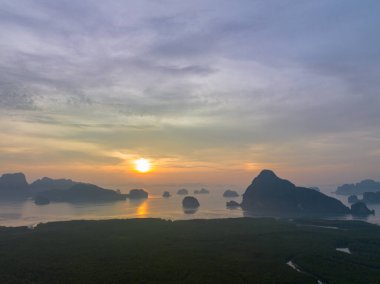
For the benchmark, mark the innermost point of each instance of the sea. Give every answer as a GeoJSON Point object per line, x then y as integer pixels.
{"type": "Point", "coordinates": [212, 206]}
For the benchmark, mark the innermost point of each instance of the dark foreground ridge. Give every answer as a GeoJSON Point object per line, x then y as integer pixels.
{"type": "Point", "coordinates": [240, 250]}
{"type": "Point", "coordinates": [271, 195]}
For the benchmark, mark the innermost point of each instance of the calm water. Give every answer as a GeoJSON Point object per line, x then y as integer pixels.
{"type": "Point", "coordinates": [213, 205]}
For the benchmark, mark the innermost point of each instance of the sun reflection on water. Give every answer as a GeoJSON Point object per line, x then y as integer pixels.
{"type": "Point", "coordinates": [142, 209]}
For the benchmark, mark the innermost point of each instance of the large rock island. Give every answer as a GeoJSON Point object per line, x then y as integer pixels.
{"type": "Point", "coordinates": [46, 183]}
{"type": "Point", "coordinates": [271, 195]}
{"type": "Point", "coordinates": [82, 192]}
{"type": "Point", "coordinates": [13, 186]}
{"type": "Point", "coordinates": [46, 190]}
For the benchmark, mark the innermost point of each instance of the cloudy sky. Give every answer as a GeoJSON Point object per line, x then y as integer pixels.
{"type": "Point", "coordinates": [210, 91]}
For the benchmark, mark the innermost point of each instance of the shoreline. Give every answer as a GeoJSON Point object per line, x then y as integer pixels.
{"type": "Point", "coordinates": [311, 222]}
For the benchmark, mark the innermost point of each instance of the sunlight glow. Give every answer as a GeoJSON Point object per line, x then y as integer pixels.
{"type": "Point", "coordinates": [142, 165]}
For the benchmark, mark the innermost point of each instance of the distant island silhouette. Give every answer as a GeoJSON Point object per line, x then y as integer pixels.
{"type": "Point", "coordinates": [190, 205]}
{"type": "Point", "coordinates": [230, 193]}
{"type": "Point", "coordinates": [232, 204]}
{"type": "Point", "coordinates": [166, 194]}
{"type": "Point", "coordinates": [267, 195]}
{"type": "Point", "coordinates": [361, 209]}
{"type": "Point", "coordinates": [190, 202]}
{"type": "Point", "coordinates": [137, 194]}
{"type": "Point", "coordinates": [271, 195]}
{"type": "Point", "coordinates": [183, 191]}
{"type": "Point", "coordinates": [202, 191]}
{"type": "Point", "coordinates": [82, 192]}
{"type": "Point", "coordinates": [46, 183]}
{"type": "Point", "coordinates": [368, 197]}
{"type": "Point", "coordinates": [46, 190]}
{"type": "Point", "coordinates": [367, 185]}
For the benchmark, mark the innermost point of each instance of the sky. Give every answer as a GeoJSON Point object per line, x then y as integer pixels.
{"type": "Point", "coordinates": [211, 92]}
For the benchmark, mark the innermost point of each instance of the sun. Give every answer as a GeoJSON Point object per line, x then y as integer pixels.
{"type": "Point", "coordinates": [142, 165]}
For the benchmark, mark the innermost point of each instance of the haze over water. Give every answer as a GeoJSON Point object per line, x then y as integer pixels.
{"type": "Point", "coordinates": [213, 205]}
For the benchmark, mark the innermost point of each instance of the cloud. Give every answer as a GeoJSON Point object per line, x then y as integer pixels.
{"type": "Point", "coordinates": [12, 97]}
{"type": "Point", "coordinates": [194, 79]}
